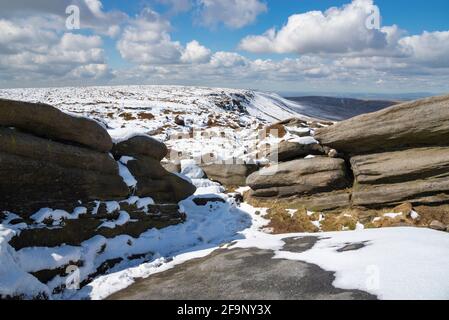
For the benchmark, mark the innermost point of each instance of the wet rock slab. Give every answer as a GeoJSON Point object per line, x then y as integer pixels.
{"type": "Point", "coordinates": [243, 274]}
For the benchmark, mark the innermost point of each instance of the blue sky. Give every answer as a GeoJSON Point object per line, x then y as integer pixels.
{"type": "Point", "coordinates": [284, 46]}
{"type": "Point", "coordinates": [414, 16]}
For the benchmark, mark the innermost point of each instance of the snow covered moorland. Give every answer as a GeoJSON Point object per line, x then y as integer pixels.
{"type": "Point", "coordinates": [191, 120]}
{"type": "Point", "coordinates": [225, 124]}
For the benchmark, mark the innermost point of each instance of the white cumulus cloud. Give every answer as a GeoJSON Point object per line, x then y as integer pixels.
{"type": "Point", "coordinates": [195, 53]}
{"type": "Point", "coordinates": [36, 51]}
{"type": "Point", "coordinates": [337, 30]}
{"type": "Point", "coordinates": [224, 59]}
{"type": "Point", "coordinates": [146, 40]}
{"type": "Point", "coordinates": [92, 14]}
{"type": "Point", "coordinates": [429, 48]}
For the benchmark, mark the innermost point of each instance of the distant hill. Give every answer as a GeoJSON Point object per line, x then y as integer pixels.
{"type": "Point", "coordinates": [337, 109]}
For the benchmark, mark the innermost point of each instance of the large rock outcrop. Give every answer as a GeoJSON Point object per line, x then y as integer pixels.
{"type": "Point", "coordinates": [399, 154]}
{"type": "Point", "coordinates": [60, 185]}
{"type": "Point", "coordinates": [46, 121]}
{"type": "Point", "coordinates": [418, 175]}
{"type": "Point", "coordinates": [49, 158]}
{"type": "Point", "coordinates": [299, 178]}
{"type": "Point", "coordinates": [414, 124]}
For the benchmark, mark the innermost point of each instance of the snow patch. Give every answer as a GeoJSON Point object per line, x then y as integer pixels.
{"type": "Point", "coordinates": [122, 219]}
{"type": "Point", "coordinates": [14, 281]}
{"type": "Point", "coordinates": [392, 215]}
{"type": "Point", "coordinates": [57, 215]}
{"type": "Point", "coordinates": [126, 175]}
{"type": "Point", "coordinates": [395, 263]}
{"type": "Point", "coordinates": [304, 140]}
{"type": "Point", "coordinates": [190, 168]}
{"type": "Point", "coordinates": [414, 215]}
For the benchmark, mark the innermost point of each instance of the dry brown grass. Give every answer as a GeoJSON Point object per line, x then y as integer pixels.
{"type": "Point", "coordinates": [428, 214]}
{"type": "Point", "coordinates": [346, 220]}
{"type": "Point", "coordinates": [145, 116]}
{"type": "Point", "coordinates": [231, 189]}
{"type": "Point", "coordinates": [127, 116]}
{"type": "Point", "coordinates": [281, 221]}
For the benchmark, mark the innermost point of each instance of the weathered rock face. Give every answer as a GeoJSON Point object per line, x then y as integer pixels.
{"type": "Point", "coordinates": [397, 155]}
{"type": "Point", "coordinates": [429, 191]}
{"type": "Point", "coordinates": [74, 165]}
{"type": "Point", "coordinates": [74, 232]}
{"type": "Point", "coordinates": [401, 166]}
{"type": "Point", "coordinates": [229, 174]}
{"type": "Point", "coordinates": [36, 172]}
{"type": "Point", "coordinates": [326, 201]}
{"type": "Point", "coordinates": [290, 150]}
{"type": "Point", "coordinates": [415, 124]}
{"type": "Point", "coordinates": [299, 177]}
{"type": "Point", "coordinates": [46, 121]}
{"type": "Point", "coordinates": [17, 143]}
{"type": "Point", "coordinates": [28, 185]}
{"type": "Point", "coordinates": [416, 175]}
{"type": "Point", "coordinates": [141, 145]}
